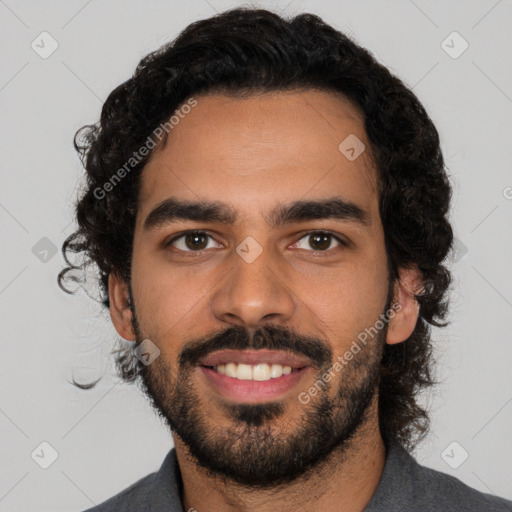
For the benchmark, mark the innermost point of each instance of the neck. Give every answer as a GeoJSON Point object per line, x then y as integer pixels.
{"type": "Point", "coordinates": [345, 480]}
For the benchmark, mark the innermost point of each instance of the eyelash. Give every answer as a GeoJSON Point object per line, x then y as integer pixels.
{"type": "Point", "coordinates": [303, 235]}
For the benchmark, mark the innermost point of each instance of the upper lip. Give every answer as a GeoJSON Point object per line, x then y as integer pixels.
{"type": "Point", "coordinates": [255, 357]}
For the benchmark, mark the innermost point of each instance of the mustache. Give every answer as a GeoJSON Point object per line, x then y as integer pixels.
{"type": "Point", "coordinates": [268, 337]}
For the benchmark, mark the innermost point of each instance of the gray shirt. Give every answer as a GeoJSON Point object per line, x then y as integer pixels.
{"type": "Point", "coordinates": [405, 486]}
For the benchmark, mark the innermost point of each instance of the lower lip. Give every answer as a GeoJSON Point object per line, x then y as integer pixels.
{"type": "Point", "coordinates": [253, 391]}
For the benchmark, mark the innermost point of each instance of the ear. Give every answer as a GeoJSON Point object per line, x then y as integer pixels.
{"type": "Point", "coordinates": [120, 312]}
{"type": "Point", "coordinates": [402, 324]}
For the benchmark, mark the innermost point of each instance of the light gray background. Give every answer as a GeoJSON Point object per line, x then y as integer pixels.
{"type": "Point", "coordinates": [109, 437]}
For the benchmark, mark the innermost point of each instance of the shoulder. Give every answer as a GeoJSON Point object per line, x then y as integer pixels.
{"type": "Point", "coordinates": [135, 497]}
{"type": "Point", "coordinates": [157, 492]}
{"type": "Point", "coordinates": [407, 486]}
{"type": "Point", "coordinates": [433, 490]}
{"type": "Point", "coordinates": [444, 492]}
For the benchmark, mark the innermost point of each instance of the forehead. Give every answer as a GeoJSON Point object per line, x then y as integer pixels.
{"type": "Point", "coordinates": [262, 150]}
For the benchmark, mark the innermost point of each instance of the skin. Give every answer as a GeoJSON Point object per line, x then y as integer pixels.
{"type": "Point", "coordinates": [255, 153]}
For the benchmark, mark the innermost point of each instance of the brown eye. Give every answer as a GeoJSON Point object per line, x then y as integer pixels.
{"type": "Point", "coordinates": [319, 241]}
{"type": "Point", "coordinates": [191, 242]}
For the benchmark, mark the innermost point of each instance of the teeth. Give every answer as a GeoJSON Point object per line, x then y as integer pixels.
{"type": "Point", "coordinates": [276, 370]}
{"type": "Point", "coordinates": [230, 370]}
{"type": "Point", "coordinates": [262, 371]}
{"type": "Point", "coordinates": [244, 372]}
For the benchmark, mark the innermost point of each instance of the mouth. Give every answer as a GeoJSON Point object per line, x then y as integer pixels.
{"type": "Point", "coordinates": [253, 376]}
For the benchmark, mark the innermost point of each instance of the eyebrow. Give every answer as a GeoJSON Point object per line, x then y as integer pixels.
{"type": "Point", "coordinates": [174, 209]}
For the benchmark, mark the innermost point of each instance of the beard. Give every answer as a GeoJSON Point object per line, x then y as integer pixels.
{"type": "Point", "coordinates": [253, 451]}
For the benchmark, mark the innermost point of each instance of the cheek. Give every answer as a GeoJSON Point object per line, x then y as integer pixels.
{"type": "Point", "coordinates": [163, 302]}
{"type": "Point", "coordinates": [172, 300]}
{"type": "Point", "coordinates": [345, 302]}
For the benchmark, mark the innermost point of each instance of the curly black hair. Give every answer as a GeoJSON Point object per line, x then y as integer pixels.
{"type": "Point", "coordinates": [246, 51]}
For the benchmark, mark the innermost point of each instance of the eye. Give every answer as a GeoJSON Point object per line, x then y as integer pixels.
{"type": "Point", "coordinates": [320, 241]}
{"type": "Point", "coordinates": [197, 241]}
{"type": "Point", "coordinates": [191, 241]}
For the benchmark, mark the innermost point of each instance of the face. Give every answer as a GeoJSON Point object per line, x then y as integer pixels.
{"type": "Point", "coordinates": [252, 294]}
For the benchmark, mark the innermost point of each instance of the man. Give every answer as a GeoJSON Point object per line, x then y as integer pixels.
{"type": "Point", "coordinates": [267, 206]}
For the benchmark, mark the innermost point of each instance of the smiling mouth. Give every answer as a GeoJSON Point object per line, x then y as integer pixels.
{"type": "Point", "coordinates": [256, 372]}
{"type": "Point", "coordinates": [253, 376]}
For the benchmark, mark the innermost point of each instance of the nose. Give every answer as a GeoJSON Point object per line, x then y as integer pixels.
{"type": "Point", "coordinates": [253, 294]}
